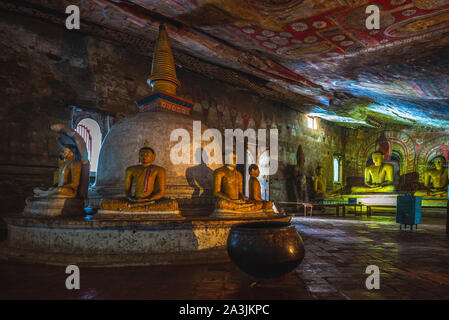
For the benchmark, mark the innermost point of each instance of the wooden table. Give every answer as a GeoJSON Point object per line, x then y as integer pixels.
{"type": "Point", "coordinates": [312, 205]}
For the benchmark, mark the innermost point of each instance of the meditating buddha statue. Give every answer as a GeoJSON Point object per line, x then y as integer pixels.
{"type": "Point", "coordinates": [379, 177]}
{"type": "Point", "coordinates": [435, 180]}
{"type": "Point", "coordinates": [70, 181]}
{"type": "Point", "coordinates": [320, 186]}
{"type": "Point", "coordinates": [149, 184]}
{"type": "Point", "coordinates": [255, 190]}
{"type": "Point", "coordinates": [67, 180]}
{"type": "Point", "coordinates": [228, 190]}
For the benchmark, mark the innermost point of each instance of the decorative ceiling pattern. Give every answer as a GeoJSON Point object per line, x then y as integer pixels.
{"type": "Point", "coordinates": [320, 50]}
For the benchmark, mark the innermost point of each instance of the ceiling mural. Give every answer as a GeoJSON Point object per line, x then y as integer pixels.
{"type": "Point", "coordinates": [320, 50]}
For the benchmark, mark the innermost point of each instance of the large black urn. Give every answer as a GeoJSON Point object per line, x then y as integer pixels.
{"type": "Point", "coordinates": [265, 249]}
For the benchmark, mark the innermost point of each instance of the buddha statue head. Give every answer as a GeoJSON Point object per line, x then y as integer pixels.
{"type": "Point", "coordinates": [439, 161]}
{"type": "Point", "coordinates": [146, 155]}
{"type": "Point", "coordinates": [253, 170]}
{"type": "Point", "coordinates": [378, 158]}
{"type": "Point", "coordinates": [68, 152]}
{"type": "Point", "coordinates": [231, 156]}
{"type": "Point", "coordinates": [319, 171]}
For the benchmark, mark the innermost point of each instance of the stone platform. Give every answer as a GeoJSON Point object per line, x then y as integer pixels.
{"type": "Point", "coordinates": [231, 214]}
{"type": "Point", "coordinates": [383, 202]}
{"type": "Point", "coordinates": [54, 206]}
{"type": "Point", "coordinates": [139, 215]}
{"type": "Point", "coordinates": [127, 240]}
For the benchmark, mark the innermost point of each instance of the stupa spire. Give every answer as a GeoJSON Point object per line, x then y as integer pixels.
{"type": "Point", "coordinates": [163, 73]}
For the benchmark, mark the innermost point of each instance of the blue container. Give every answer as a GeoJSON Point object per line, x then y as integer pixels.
{"type": "Point", "coordinates": [408, 211]}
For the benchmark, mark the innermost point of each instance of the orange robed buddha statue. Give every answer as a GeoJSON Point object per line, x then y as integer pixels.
{"type": "Point", "coordinates": [320, 186]}
{"type": "Point", "coordinates": [254, 188]}
{"type": "Point", "coordinates": [379, 177]}
{"type": "Point", "coordinates": [435, 180]}
{"type": "Point", "coordinates": [66, 179]}
{"type": "Point", "coordinates": [149, 185]}
{"type": "Point", "coordinates": [228, 190]}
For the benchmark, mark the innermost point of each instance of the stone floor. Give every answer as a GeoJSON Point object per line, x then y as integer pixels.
{"type": "Point", "coordinates": [413, 265]}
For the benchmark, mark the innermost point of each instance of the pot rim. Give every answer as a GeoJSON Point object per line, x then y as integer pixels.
{"type": "Point", "coordinates": [262, 226]}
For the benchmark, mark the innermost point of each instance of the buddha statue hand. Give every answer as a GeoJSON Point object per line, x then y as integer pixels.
{"type": "Point", "coordinates": [377, 185]}
{"type": "Point", "coordinates": [243, 199]}
{"type": "Point", "coordinates": [54, 192]}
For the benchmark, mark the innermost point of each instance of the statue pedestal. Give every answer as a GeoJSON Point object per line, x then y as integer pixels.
{"type": "Point", "coordinates": [131, 240]}
{"type": "Point", "coordinates": [231, 214]}
{"type": "Point", "coordinates": [54, 206]}
{"type": "Point", "coordinates": [138, 215]}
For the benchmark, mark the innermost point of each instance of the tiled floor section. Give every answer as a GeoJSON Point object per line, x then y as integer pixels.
{"type": "Point", "coordinates": [413, 265]}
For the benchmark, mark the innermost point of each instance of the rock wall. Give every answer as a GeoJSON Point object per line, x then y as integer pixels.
{"type": "Point", "coordinates": [46, 69]}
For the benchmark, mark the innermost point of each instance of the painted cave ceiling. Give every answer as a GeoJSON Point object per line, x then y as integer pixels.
{"type": "Point", "coordinates": [314, 55]}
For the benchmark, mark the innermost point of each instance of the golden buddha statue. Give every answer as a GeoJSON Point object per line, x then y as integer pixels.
{"type": "Point", "coordinates": [228, 190]}
{"type": "Point", "coordinates": [70, 180]}
{"type": "Point", "coordinates": [66, 180]}
{"type": "Point", "coordinates": [435, 180]}
{"type": "Point", "coordinates": [149, 184]}
{"type": "Point", "coordinates": [319, 184]}
{"type": "Point", "coordinates": [254, 188]}
{"type": "Point", "coordinates": [379, 177]}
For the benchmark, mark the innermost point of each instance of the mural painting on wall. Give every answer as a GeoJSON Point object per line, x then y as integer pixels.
{"type": "Point", "coordinates": [287, 41]}
{"type": "Point", "coordinates": [328, 28]}
{"type": "Point", "coordinates": [291, 28]}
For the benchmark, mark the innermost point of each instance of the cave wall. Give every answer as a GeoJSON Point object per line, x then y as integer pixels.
{"type": "Point", "coordinates": [46, 70]}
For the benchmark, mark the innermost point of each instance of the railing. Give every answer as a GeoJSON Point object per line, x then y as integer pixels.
{"type": "Point", "coordinates": [84, 132]}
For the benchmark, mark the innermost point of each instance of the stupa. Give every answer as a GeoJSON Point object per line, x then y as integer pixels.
{"type": "Point", "coordinates": [159, 115]}
{"type": "Point", "coordinates": [176, 229]}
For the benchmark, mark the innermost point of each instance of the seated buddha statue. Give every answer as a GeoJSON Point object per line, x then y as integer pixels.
{"type": "Point", "coordinates": [66, 179]}
{"type": "Point", "coordinates": [379, 177]}
{"type": "Point", "coordinates": [435, 180]}
{"type": "Point", "coordinates": [254, 188]}
{"type": "Point", "coordinates": [70, 180]}
{"type": "Point", "coordinates": [228, 190]}
{"type": "Point", "coordinates": [320, 186]}
{"type": "Point", "coordinates": [149, 184]}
